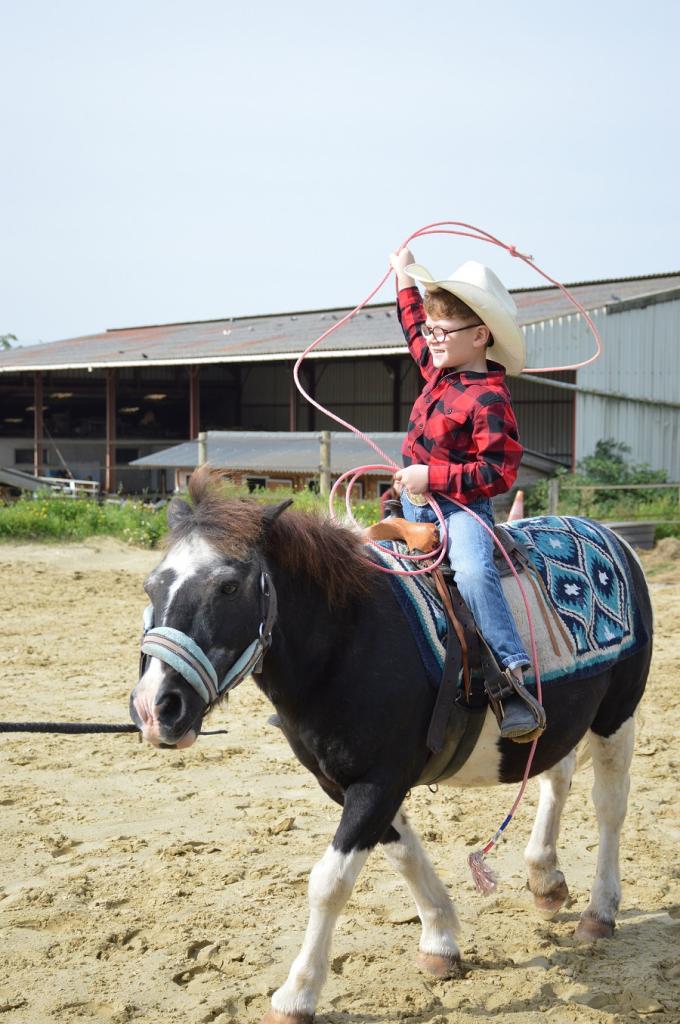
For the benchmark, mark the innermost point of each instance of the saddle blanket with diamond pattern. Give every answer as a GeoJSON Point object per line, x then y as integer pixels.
{"type": "Point", "coordinates": [586, 580]}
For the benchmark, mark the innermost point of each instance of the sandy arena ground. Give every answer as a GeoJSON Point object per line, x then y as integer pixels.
{"type": "Point", "coordinates": [167, 887]}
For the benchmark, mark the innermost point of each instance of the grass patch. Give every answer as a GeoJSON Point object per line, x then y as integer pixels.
{"type": "Point", "coordinates": [53, 518]}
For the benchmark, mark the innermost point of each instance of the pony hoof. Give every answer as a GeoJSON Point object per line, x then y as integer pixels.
{"type": "Point", "coordinates": [274, 1017]}
{"type": "Point", "coordinates": [589, 929]}
{"type": "Point", "coordinates": [440, 965]}
{"type": "Point", "coordinates": [551, 903]}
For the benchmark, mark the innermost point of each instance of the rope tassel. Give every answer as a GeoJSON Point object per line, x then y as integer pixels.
{"type": "Point", "coordinates": [484, 877]}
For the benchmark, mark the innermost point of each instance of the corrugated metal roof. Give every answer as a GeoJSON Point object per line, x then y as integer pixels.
{"type": "Point", "coordinates": [285, 335]}
{"type": "Point", "coordinates": [283, 452]}
{"type": "Point", "coordinates": [276, 451]}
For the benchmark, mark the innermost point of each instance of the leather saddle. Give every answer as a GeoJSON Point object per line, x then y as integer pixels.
{"type": "Point", "coordinates": [484, 681]}
{"type": "Point", "coordinates": [424, 537]}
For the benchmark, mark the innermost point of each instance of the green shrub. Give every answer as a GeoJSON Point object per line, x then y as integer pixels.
{"type": "Point", "coordinates": [599, 471]}
{"type": "Point", "coordinates": [364, 510]}
{"type": "Point", "coordinates": [662, 530]}
{"type": "Point", "coordinates": [52, 518]}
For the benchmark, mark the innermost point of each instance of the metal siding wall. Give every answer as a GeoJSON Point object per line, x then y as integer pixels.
{"type": "Point", "coordinates": [641, 358]}
{"type": "Point", "coordinates": [265, 383]}
{"type": "Point", "coordinates": [545, 417]}
{"type": "Point", "coordinates": [411, 385]}
{"type": "Point", "coordinates": [641, 353]}
{"type": "Point", "coordinates": [652, 433]}
{"type": "Point", "coordinates": [561, 341]}
{"type": "Point", "coordinates": [358, 390]}
{"type": "Point", "coordinates": [641, 350]}
{"type": "Point", "coordinates": [264, 396]}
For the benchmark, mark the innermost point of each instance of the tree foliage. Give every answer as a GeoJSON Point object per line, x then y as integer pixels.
{"type": "Point", "coordinates": [608, 465]}
{"type": "Point", "coordinates": [598, 473]}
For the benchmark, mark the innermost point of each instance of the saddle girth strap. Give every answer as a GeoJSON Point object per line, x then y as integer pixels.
{"type": "Point", "coordinates": [445, 596]}
{"type": "Point", "coordinates": [472, 637]}
{"type": "Point", "coordinates": [446, 697]}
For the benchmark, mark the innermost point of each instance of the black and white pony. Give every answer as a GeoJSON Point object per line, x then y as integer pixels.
{"type": "Point", "coordinates": [346, 679]}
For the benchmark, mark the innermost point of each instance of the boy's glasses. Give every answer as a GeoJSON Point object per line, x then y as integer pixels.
{"type": "Point", "coordinates": [439, 334]}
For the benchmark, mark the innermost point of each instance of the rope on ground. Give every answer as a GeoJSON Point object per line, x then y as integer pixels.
{"type": "Point", "coordinates": [76, 728]}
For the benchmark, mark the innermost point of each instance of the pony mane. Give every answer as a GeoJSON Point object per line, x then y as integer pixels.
{"type": "Point", "coordinates": [328, 554]}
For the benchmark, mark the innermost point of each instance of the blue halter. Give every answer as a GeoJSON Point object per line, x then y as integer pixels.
{"type": "Point", "coordinates": [181, 653]}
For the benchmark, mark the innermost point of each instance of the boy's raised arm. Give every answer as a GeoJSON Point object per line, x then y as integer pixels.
{"type": "Point", "coordinates": [399, 260]}
{"type": "Point", "coordinates": [410, 312]}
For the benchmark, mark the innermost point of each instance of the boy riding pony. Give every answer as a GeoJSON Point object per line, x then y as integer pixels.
{"type": "Point", "coordinates": [463, 443]}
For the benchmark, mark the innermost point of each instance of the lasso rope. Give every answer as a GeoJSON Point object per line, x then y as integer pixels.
{"type": "Point", "coordinates": [77, 728]}
{"type": "Point", "coordinates": [484, 878]}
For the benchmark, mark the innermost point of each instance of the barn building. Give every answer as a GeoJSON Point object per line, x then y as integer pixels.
{"type": "Point", "coordinates": [93, 405]}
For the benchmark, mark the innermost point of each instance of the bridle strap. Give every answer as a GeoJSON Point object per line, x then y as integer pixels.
{"type": "Point", "coordinates": [183, 654]}
{"type": "Point", "coordinates": [175, 651]}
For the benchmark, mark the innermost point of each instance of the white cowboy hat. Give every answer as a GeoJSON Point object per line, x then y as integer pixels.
{"type": "Point", "coordinates": [481, 290]}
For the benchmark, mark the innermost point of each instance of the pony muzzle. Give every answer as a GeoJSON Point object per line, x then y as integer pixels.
{"type": "Point", "coordinates": [167, 716]}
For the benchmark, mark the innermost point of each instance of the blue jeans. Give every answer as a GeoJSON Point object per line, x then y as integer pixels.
{"type": "Point", "coordinates": [470, 552]}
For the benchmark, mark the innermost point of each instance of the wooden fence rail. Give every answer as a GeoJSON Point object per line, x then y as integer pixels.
{"type": "Point", "coordinates": [554, 486]}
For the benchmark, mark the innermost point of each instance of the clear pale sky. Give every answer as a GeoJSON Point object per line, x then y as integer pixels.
{"type": "Point", "coordinates": [166, 160]}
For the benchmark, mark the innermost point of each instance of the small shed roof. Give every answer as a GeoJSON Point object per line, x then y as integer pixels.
{"type": "Point", "coordinates": [276, 451]}
{"type": "Point", "coordinates": [281, 452]}
{"type": "Point", "coordinates": [284, 336]}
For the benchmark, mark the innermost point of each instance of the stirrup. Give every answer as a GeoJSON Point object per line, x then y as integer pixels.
{"type": "Point", "coordinates": [507, 687]}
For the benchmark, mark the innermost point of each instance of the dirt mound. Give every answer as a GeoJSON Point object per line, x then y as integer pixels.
{"type": "Point", "coordinates": [662, 564]}
{"type": "Point", "coordinates": [668, 548]}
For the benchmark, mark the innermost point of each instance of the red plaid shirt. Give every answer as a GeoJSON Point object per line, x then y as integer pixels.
{"type": "Point", "coordinates": [462, 426]}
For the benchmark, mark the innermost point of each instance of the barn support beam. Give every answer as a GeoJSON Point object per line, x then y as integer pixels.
{"type": "Point", "coordinates": [194, 402]}
{"type": "Point", "coordinates": [38, 424]}
{"type": "Point", "coordinates": [292, 405]}
{"type": "Point", "coordinates": [110, 457]}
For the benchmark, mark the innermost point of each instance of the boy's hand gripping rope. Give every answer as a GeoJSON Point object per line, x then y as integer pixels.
{"type": "Point", "coordinates": [484, 877]}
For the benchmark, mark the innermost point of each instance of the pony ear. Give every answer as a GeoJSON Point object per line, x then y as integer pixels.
{"type": "Point", "coordinates": [178, 513]}
{"type": "Point", "coordinates": [272, 513]}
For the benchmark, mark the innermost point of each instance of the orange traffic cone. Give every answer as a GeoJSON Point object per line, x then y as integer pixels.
{"type": "Point", "coordinates": [517, 508]}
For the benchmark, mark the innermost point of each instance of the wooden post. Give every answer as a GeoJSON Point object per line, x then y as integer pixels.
{"type": "Point", "coordinates": [38, 426]}
{"type": "Point", "coordinates": [292, 405]}
{"type": "Point", "coordinates": [588, 496]}
{"type": "Point", "coordinates": [553, 496]}
{"type": "Point", "coordinates": [194, 403]}
{"type": "Point", "coordinates": [325, 466]}
{"type": "Point", "coordinates": [110, 457]}
{"type": "Point", "coordinates": [202, 448]}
